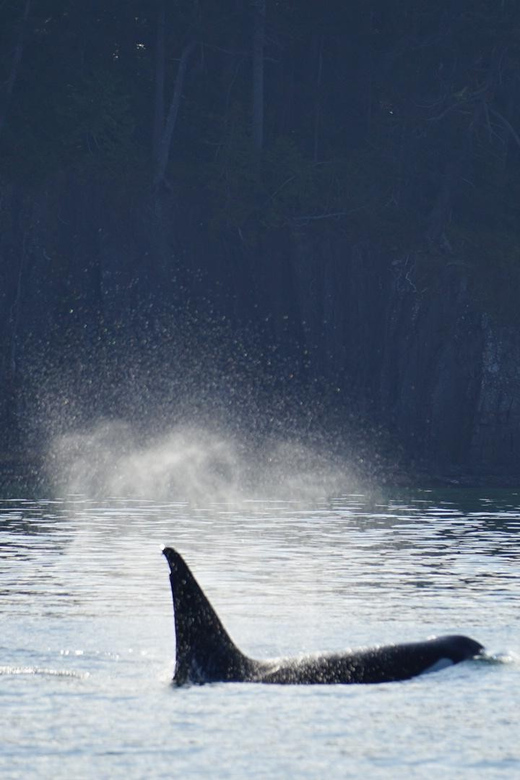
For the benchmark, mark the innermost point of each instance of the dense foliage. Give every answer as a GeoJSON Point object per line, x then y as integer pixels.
{"type": "Point", "coordinates": [397, 116]}
{"type": "Point", "coordinates": [390, 121]}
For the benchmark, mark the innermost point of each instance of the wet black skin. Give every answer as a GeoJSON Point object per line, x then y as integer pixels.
{"type": "Point", "coordinates": [205, 652]}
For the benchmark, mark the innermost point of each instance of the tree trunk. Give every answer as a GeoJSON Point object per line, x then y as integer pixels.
{"type": "Point", "coordinates": [17, 57]}
{"type": "Point", "coordinates": [317, 100]}
{"type": "Point", "coordinates": [158, 119]}
{"type": "Point", "coordinates": [165, 144]}
{"type": "Point", "coordinates": [258, 74]}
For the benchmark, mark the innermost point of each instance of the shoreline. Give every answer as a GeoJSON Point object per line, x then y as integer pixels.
{"type": "Point", "coordinates": [28, 471]}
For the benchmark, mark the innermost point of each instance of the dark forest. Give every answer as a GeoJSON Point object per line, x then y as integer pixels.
{"type": "Point", "coordinates": [296, 218]}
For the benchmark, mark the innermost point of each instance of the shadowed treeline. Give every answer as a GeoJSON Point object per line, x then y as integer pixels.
{"type": "Point", "coordinates": [303, 214]}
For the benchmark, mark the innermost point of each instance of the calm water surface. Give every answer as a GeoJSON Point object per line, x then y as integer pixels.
{"type": "Point", "coordinates": [86, 637]}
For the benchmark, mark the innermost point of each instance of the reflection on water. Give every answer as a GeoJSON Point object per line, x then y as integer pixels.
{"type": "Point", "coordinates": [86, 634]}
{"type": "Point", "coordinates": [31, 670]}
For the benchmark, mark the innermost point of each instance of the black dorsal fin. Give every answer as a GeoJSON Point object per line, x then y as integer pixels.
{"type": "Point", "coordinates": [204, 650]}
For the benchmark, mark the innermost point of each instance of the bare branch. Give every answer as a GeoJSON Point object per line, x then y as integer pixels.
{"type": "Point", "coordinates": [507, 124]}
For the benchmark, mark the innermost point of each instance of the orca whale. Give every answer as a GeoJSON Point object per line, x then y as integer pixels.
{"type": "Point", "coordinates": [205, 652]}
